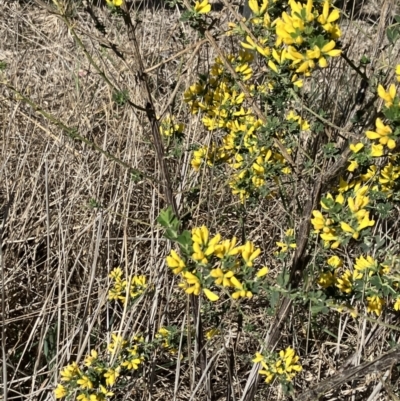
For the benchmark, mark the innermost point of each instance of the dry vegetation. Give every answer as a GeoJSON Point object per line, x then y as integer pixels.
{"type": "Point", "coordinates": [72, 213]}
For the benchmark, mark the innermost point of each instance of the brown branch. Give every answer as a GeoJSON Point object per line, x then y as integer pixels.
{"type": "Point", "coordinates": [380, 364]}
{"type": "Point", "coordinates": [144, 89]}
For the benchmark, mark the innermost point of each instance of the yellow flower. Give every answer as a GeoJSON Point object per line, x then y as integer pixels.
{"type": "Point", "coordinates": [297, 82]}
{"type": "Point", "coordinates": [117, 343]}
{"type": "Point", "coordinates": [362, 263]}
{"type": "Point", "coordinates": [192, 284]}
{"type": "Point", "coordinates": [376, 150]}
{"type": "Point", "coordinates": [242, 294]}
{"type": "Point", "coordinates": [258, 11]}
{"type": "Point", "coordinates": [111, 376]}
{"type": "Point", "coordinates": [288, 363]}
{"type": "Point", "coordinates": [326, 279]}
{"type": "Point", "coordinates": [326, 204]}
{"type": "Point", "coordinates": [198, 254]}
{"type": "Point", "coordinates": [227, 248]}
{"type": "Point", "coordinates": [396, 306]}
{"type": "Point", "coordinates": [352, 166]}
{"type": "Point", "coordinates": [116, 3]}
{"type": "Point", "coordinates": [202, 8]}
{"type": "Point", "coordinates": [370, 174]}
{"type": "Point", "coordinates": [344, 186]}
{"type": "Point", "coordinates": [356, 147]}
{"type": "Point", "coordinates": [200, 235]}
{"type": "Point", "coordinates": [258, 358]}
{"type": "Point", "coordinates": [169, 126]}
{"type": "Point", "coordinates": [319, 222]}
{"type": "Point", "coordinates": [273, 66]}
{"type": "Point", "coordinates": [347, 228]}
{"type": "Point", "coordinates": [212, 333]}
{"type": "Point", "coordinates": [249, 253]}
{"type": "Point", "coordinates": [132, 364]}
{"type": "Point", "coordinates": [244, 70]}
{"type": "Point", "coordinates": [262, 272]}
{"type": "Point", "coordinates": [335, 262]}
{"type": "Point", "coordinates": [116, 274]}
{"type": "Point", "coordinates": [91, 358]}
{"type": "Point", "coordinates": [221, 277]}
{"type": "Point", "coordinates": [85, 382]}
{"type": "Point", "coordinates": [363, 220]}
{"type": "Point", "coordinates": [70, 372]}
{"type": "Point", "coordinates": [83, 397]}
{"type": "Point", "coordinates": [383, 133]}
{"type": "Point", "coordinates": [60, 391]}
{"type": "Point", "coordinates": [359, 201]}
{"type": "Point", "coordinates": [398, 72]}
{"type": "Point", "coordinates": [345, 283]}
{"type": "Point", "coordinates": [251, 45]}
{"type": "Point", "coordinates": [175, 262]}
{"type": "Point", "coordinates": [326, 16]}
{"type": "Point", "coordinates": [375, 305]}
{"type": "Point", "coordinates": [210, 295]}
{"type": "Point", "coordinates": [388, 96]}
{"type": "Point", "coordinates": [104, 391]}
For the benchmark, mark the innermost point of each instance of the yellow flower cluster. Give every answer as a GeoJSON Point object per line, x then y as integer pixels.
{"type": "Point", "coordinates": [169, 127]}
{"type": "Point", "coordinates": [216, 98]}
{"type": "Point", "coordinates": [305, 34]}
{"type": "Point", "coordinates": [368, 276]}
{"type": "Point", "coordinates": [217, 262]}
{"type": "Point", "coordinates": [124, 290]}
{"type": "Point", "coordinates": [167, 338]}
{"type": "Point", "coordinates": [341, 220]}
{"type": "Point", "coordinates": [74, 378]}
{"type": "Point", "coordinates": [384, 134]}
{"type": "Point", "coordinates": [292, 37]}
{"type": "Point", "coordinates": [289, 242]}
{"type": "Point", "coordinates": [346, 216]}
{"type": "Point", "coordinates": [283, 367]}
{"type": "Point", "coordinates": [222, 106]}
{"type": "Point", "coordinates": [93, 380]}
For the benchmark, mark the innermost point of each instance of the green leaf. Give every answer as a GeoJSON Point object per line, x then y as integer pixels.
{"type": "Point", "coordinates": [168, 220]}
{"type": "Point", "coordinates": [365, 60]}
{"type": "Point", "coordinates": [274, 299]}
{"type": "Point", "coordinates": [283, 279]}
{"type": "Point", "coordinates": [166, 217]}
{"type": "Point", "coordinates": [320, 308]}
{"type": "Point", "coordinates": [170, 234]}
{"type": "Point", "coordinates": [376, 282]}
{"type": "Point", "coordinates": [185, 241]}
{"type": "Point", "coordinates": [186, 16]}
{"type": "Point", "coordinates": [330, 333]}
{"type": "Point", "coordinates": [393, 34]}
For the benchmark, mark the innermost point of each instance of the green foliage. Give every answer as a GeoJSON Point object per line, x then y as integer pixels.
{"type": "Point", "coordinates": [260, 131]}
{"type": "Point", "coordinates": [121, 97]}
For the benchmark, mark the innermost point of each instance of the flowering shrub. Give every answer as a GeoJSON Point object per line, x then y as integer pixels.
{"type": "Point", "coordinates": [212, 263]}
{"type": "Point", "coordinates": [257, 128]}
{"type": "Point", "coordinates": [169, 127]}
{"type": "Point", "coordinates": [124, 290]}
{"type": "Point", "coordinates": [94, 379]}
{"type": "Point", "coordinates": [291, 44]}
{"type": "Point", "coordinates": [283, 365]}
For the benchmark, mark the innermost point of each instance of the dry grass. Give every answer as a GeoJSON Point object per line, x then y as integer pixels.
{"type": "Point", "coordinates": [75, 214]}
